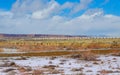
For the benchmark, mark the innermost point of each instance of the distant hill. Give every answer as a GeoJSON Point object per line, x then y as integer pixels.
{"type": "Point", "coordinates": [35, 35]}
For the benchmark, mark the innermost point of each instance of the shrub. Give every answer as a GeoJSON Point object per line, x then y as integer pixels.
{"type": "Point", "coordinates": [89, 56]}
{"type": "Point", "coordinates": [37, 72]}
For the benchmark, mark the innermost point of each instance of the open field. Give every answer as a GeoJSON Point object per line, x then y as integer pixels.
{"type": "Point", "coordinates": [58, 53]}
{"type": "Point", "coordinates": [57, 47]}
{"type": "Point", "coordinates": [61, 65]}
{"type": "Point", "coordinates": [22, 45]}
{"type": "Point", "coordinates": [94, 56]}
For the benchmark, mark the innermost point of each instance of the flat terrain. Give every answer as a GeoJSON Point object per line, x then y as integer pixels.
{"type": "Point", "coordinates": [60, 65]}
{"type": "Point", "coordinates": [88, 56]}
{"type": "Point", "coordinates": [58, 53]}
{"type": "Point", "coordinates": [35, 45]}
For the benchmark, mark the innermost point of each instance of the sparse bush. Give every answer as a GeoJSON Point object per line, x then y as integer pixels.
{"type": "Point", "coordinates": [89, 71]}
{"type": "Point", "coordinates": [8, 70]}
{"type": "Point", "coordinates": [89, 56]}
{"type": "Point", "coordinates": [87, 65]}
{"type": "Point", "coordinates": [61, 63]}
{"type": "Point", "coordinates": [8, 64]}
{"type": "Point", "coordinates": [50, 62]}
{"type": "Point", "coordinates": [53, 57]}
{"type": "Point", "coordinates": [21, 69]}
{"type": "Point", "coordinates": [75, 56]}
{"type": "Point", "coordinates": [77, 69]}
{"type": "Point", "coordinates": [50, 66]}
{"type": "Point", "coordinates": [11, 73]}
{"type": "Point", "coordinates": [103, 72]}
{"type": "Point", "coordinates": [116, 54]}
{"type": "Point", "coordinates": [37, 72]}
{"type": "Point", "coordinates": [96, 63]}
{"type": "Point", "coordinates": [1, 50]}
{"type": "Point", "coordinates": [55, 72]}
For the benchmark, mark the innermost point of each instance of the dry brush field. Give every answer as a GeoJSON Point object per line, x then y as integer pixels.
{"type": "Point", "coordinates": [60, 57]}
{"type": "Point", "coordinates": [56, 47]}
{"type": "Point", "coordinates": [61, 44]}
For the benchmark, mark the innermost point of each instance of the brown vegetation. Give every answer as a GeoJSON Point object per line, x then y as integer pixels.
{"type": "Point", "coordinates": [71, 44]}
{"type": "Point", "coordinates": [1, 50]}
{"type": "Point", "coordinates": [88, 56]}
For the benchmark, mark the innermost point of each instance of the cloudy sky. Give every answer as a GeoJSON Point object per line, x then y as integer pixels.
{"type": "Point", "coordinates": [71, 17]}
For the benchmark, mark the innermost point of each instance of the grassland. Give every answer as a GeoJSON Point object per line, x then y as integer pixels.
{"type": "Point", "coordinates": [60, 46]}
{"type": "Point", "coordinates": [58, 56]}
{"type": "Point", "coordinates": [59, 53]}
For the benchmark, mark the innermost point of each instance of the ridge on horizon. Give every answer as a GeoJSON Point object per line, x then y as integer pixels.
{"type": "Point", "coordinates": [39, 35]}
{"type": "Point", "coordinates": [32, 34]}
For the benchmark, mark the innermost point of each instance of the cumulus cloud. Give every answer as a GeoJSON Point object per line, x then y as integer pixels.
{"type": "Point", "coordinates": [80, 6]}
{"type": "Point", "coordinates": [45, 19]}
{"type": "Point", "coordinates": [6, 14]}
{"type": "Point", "coordinates": [46, 12]}
{"type": "Point", "coordinates": [28, 6]}
{"type": "Point", "coordinates": [67, 5]}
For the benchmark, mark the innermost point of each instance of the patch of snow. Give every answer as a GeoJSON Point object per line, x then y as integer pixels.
{"type": "Point", "coordinates": [108, 63]}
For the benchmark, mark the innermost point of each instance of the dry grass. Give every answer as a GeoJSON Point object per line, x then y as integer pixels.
{"type": "Point", "coordinates": [105, 72]}
{"type": "Point", "coordinates": [56, 53]}
{"type": "Point", "coordinates": [1, 50]}
{"type": "Point", "coordinates": [89, 56]}
{"type": "Point", "coordinates": [37, 72]}
{"type": "Point", "coordinates": [85, 54]}
{"type": "Point", "coordinates": [109, 51]}
{"type": "Point", "coordinates": [71, 44]}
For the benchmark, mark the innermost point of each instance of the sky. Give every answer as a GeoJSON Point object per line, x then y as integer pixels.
{"type": "Point", "coordinates": [68, 17]}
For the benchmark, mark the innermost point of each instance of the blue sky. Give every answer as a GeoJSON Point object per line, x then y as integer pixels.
{"type": "Point", "coordinates": [74, 17]}
{"type": "Point", "coordinates": [6, 4]}
{"type": "Point", "coordinates": [63, 1]}
{"type": "Point", "coordinates": [109, 6]}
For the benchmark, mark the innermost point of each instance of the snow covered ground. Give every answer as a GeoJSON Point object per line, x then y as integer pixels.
{"type": "Point", "coordinates": [104, 65]}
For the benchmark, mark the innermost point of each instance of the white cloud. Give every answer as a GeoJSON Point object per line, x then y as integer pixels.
{"type": "Point", "coordinates": [46, 20]}
{"type": "Point", "coordinates": [67, 5]}
{"type": "Point", "coordinates": [28, 6]}
{"type": "Point", "coordinates": [80, 6]}
{"type": "Point", "coordinates": [46, 12]}
{"type": "Point", "coordinates": [6, 14]}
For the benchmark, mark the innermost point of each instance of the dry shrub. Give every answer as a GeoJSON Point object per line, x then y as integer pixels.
{"type": "Point", "coordinates": [8, 64]}
{"type": "Point", "coordinates": [80, 74]}
{"type": "Point", "coordinates": [50, 62]}
{"type": "Point", "coordinates": [1, 50]}
{"type": "Point", "coordinates": [11, 73]}
{"type": "Point", "coordinates": [8, 70]}
{"type": "Point", "coordinates": [77, 69]}
{"type": "Point", "coordinates": [87, 65]}
{"type": "Point", "coordinates": [75, 56]}
{"type": "Point", "coordinates": [24, 69]}
{"type": "Point", "coordinates": [89, 71]}
{"type": "Point", "coordinates": [53, 58]}
{"type": "Point", "coordinates": [103, 72]}
{"type": "Point", "coordinates": [89, 56]}
{"type": "Point", "coordinates": [55, 72]}
{"type": "Point", "coordinates": [96, 63]}
{"type": "Point", "coordinates": [37, 72]}
{"type": "Point", "coordinates": [61, 63]}
{"type": "Point", "coordinates": [21, 69]}
{"type": "Point", "coordinates": [63, 60]}
{"type": "Point", "coordinates": [116, 54]}
{"type": "Point", "coordinates": [21, 58]}
{"type": "Point", "coordinates": [50, 66]}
